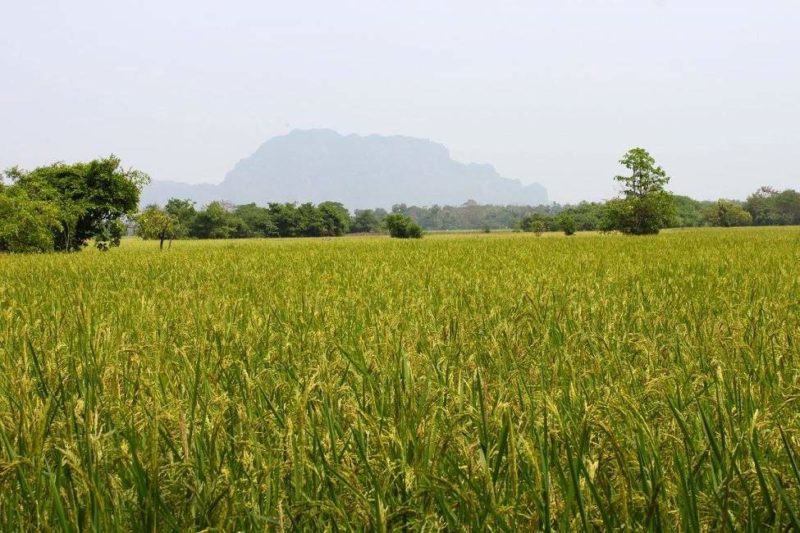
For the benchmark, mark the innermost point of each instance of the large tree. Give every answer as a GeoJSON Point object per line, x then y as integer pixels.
{"type": "Point", "coordinates": [88, 196]}
{"type": "Point", "coordinates": [645, 206]}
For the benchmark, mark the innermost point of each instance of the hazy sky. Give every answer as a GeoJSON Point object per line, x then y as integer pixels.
{"type": "Point", "coordinates": [553, 92]}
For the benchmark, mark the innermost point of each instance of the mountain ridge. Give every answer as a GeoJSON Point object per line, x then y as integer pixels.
{"type": "Point", "coordinates": [358, 171]}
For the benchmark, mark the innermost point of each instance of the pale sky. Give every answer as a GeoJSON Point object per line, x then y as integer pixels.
{"type": "Point", "coordinates": [551, 92]}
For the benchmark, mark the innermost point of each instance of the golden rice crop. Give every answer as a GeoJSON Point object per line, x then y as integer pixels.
{"type": "Point", "coordinates": [469, 381]}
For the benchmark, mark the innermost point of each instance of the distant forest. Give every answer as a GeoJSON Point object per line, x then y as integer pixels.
{"type": "Point", "coordinates": [765, 207]}
{"type": "Point", "coordinates": [63, 207]}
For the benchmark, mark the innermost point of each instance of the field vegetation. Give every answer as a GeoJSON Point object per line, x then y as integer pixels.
{"type": "Point", "coordinates": [477, 381]}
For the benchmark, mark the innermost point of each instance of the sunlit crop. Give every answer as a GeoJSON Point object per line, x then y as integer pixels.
{"type": "Point", "coordinates": [469, 381]}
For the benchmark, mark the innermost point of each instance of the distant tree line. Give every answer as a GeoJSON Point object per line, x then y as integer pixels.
{"type": "Point", "coordinates": [63, 207]}
{"type": "Point", "coordinates": [643, 207]}
{"type": "Point", "coordinates": [182, 219]}
{"type": "Point", "coordinates": [766, 207]}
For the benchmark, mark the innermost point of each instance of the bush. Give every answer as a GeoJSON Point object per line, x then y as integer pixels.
{"type": "Point", "coordinates": [402, 227]}
{"type": "Point", "coordinates": [567, 224]}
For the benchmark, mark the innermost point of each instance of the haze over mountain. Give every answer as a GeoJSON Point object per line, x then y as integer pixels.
{"type": "Point", "coordinates": [358, 171]}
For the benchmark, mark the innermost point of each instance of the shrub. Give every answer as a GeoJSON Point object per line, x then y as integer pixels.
{"type": "Point", "coordinates": [567, 224]}
{"type": "Point", "coordinates": [402, 227]}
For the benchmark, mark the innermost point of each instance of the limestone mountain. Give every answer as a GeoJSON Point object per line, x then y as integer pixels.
{"type": "Point", "coordinates": [358, 171]}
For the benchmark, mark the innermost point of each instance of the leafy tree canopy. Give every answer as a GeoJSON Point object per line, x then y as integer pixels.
{"type": "Point", "coordinates": [645, 206]}
{"type": "Point", "coordinates": [26, 224]}
{"type": "Point", "coordinates": [156, 223]}
{"type": "Point", "coordinates": [365, 221]}
{"type": "Point", "coordinates": [88, 196]}
{"type": "Point", "coordinates": [726, 214]}
{"type": "Point", "coordinates": [770, 207]}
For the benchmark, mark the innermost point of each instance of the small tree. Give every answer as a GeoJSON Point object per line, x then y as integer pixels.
{"type": "Point", "coordinates": [645, 206]}
{"type": "Point", "coordinates": [155, 223]}
{"type": "Point", "coordinates": [567, 224]}
{"type": "Point", "coordinates": [402, 227]}
{"type": "Point", "coordinates": [726, 214]}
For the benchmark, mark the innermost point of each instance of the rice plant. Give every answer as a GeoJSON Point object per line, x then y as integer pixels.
{"type": "Point", "coordinates": [496, 382]}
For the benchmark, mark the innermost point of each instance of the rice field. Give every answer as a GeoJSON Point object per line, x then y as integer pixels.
{"type": "Point", "coordinates": [497, 382]}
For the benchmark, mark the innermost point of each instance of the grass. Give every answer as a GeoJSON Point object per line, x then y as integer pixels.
{"type": "Point", "coordinates": [496, 381]}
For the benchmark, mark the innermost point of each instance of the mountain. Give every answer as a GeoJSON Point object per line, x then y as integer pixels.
{"type": "Point", "coordinates": [359, 171]}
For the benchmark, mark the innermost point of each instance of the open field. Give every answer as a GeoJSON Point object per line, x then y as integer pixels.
{"type": "Point", "coordinates": [493, 381]}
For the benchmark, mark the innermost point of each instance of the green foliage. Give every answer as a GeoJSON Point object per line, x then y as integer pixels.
{"type": "Point", "coordinates": [645, 207]}
{"type": "Point", "coordinates": [285, 218]}
{"type": "Point", "coordinates": [257, 221]}
{"type": "Point", "coordinates": [365, 221]}
{"type": "Point", "coordinates": [332, 219]}
{"type": "Point", "coordinates": [588, 216]}
{"type": "Point", "coordinates": [470, 216]}
{"type": "Point", "coordinates": [688, 212]}
{"type": "Point", "coordinates": [726, 214]}
{"type": "Point", "coordinates": [26, 225]}
{"type": "Point", "coordinates": [538, 223]}
{"type": "Point", "coordinates": [566, 223]}
{"type": "Point", "coordinates": [156, 223]}
{"type": "Point", "coordinates": [402, 227]}
{"type": "Point", "coordinates": [466, 383]}
{"type": "Point", "coordinates": [335, 218]}
{"type": "Point", "coordinates": [109, 234]}
{"type": "Point", "coordinates": [310, 222]}
{"type": "Point", "coordinates": [214, 222]}
{"type": "Point", "coordinates": [221, 221]}
{"type": "Point", "coordinates": [183, 213]}
{"type": "Point", "coordinates": [646, 177]}
{"type": "Point", "coordinates": [770, 207]}
{"type": "Point", "coordinates": [89, 197]}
